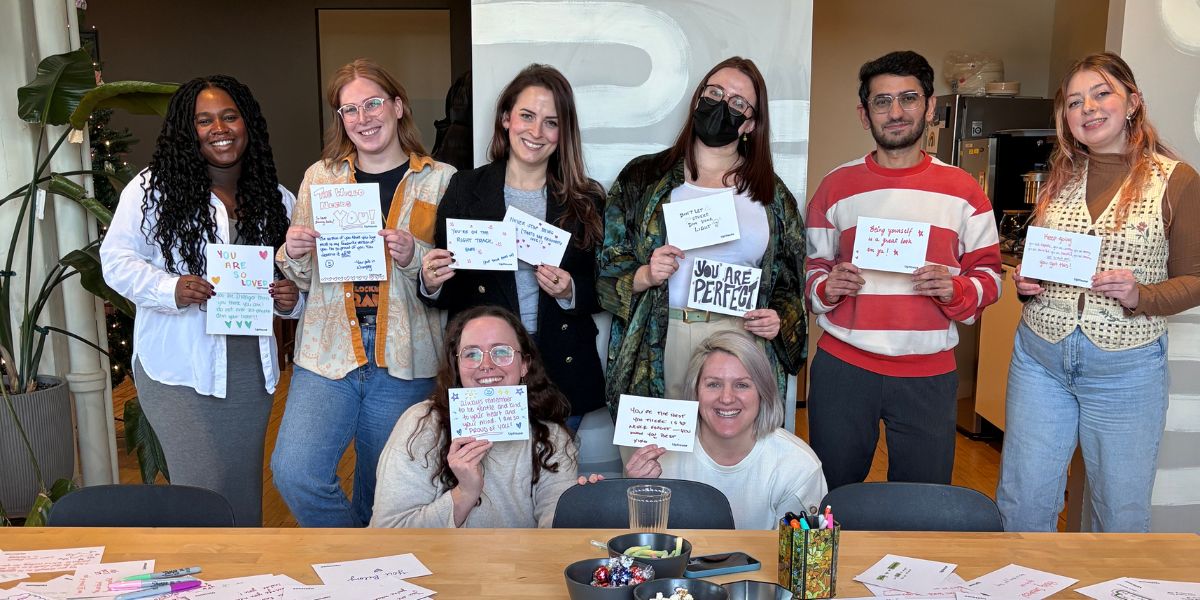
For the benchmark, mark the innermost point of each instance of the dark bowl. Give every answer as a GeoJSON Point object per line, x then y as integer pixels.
{"type": "Point", "coordinates": [663, 567]}
{"type": "Point", "coordinates": [579, 582]}
{"type": "Point", "coordinates": [698, 588]}
{"type": "Point", "coordinates": [756, 590]}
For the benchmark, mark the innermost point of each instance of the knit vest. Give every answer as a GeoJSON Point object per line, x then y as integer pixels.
{"type": "Point", "coordinates": [1140, 245]}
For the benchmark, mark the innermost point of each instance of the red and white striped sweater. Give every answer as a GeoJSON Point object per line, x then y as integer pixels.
{"type": "Point", "coordinates": [887, 328]}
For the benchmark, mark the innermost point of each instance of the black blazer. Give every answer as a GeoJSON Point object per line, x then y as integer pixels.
{"type": "Point", "coordinates": [566, 338]}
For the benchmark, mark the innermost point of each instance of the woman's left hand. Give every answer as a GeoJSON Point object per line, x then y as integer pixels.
{"type": "Point", "coordinates": [285, 293]}
{"type": "Point", "coordinates": [555, 281]}
{"type": "Point", "coordinates": [399, 244]}
{"type": "Point", "coordinates": [593, 478]}
{"type": "Point", "coordinates": [763, 322]}
{"type": "Point", "coordinates": [1118, 284]}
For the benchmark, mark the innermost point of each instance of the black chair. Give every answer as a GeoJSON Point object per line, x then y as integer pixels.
{"type": "Point", "coordinates": [902, 506]}
{"type": "Point", "coordinates": [141, 506]}
{"type": "Point", "coordinates": [603, 505]}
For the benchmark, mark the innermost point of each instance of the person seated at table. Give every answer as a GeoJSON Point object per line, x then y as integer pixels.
{"type": "Point", "coordinates": [430, 478]}
{"type": "Point", "coordinates": [741, 448]}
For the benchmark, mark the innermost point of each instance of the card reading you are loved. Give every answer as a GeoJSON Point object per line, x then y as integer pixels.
{"type": "Point", "coordinates": [498, 413]}
{"type": "Point", "coordinates": [242, 278]}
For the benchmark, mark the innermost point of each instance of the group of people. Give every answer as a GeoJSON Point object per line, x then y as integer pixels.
{"type": "Point", "coordinates": [375, 360]}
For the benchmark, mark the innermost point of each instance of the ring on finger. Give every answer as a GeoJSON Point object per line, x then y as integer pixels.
{"type": "Point", "coordinates": [556, 280]}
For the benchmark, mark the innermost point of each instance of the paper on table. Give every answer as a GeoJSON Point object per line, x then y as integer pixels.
{"type": "Point", "coordinates": [670, 424]}
{"type": "Point", "coordinates": [538, 242]}
{"type": "Point", "coordinates": [255, 587]}
{"type": "Point", "coordinates": [12, 576]}
{"type": "Point", "coordinates": [348, 217]}
{"type": "Point", "coordinates": [1015, 581]}
{"type": "Point", "coordinates": [971, 596]}
{"type": "Point", "coordinates": [92, 581]}
{"type": "Point", "coordinates": [723, 287]}
{"type": "Point", "coordinates": [704, 221]}
{"type": "Point", "coordinates": [1060, 256]}
{"type": "Point", "coordinates": [890, 245]}
{"type": "Point", "coordinates": [482, 245]}
{"type": "Point", "coordinates": [49, 561]}
{"type": "Point", "coordinates": [499, 413]}
{"type": "Point", "coordinates": [401, 566]}
{"type": "Point", "coordinates": [18, 594]}
{"type": "Point", "coordinates": [388, 588]}
{"type": "Point", "coordinates": [947, 589]}
{"type": "Point", "coordinates": [907, 574]}
{"type": "Point", "coordinates": [1129, 588]}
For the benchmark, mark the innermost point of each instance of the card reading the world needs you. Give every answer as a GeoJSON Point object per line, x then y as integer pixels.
{"type": "Point", "coordinates": [890, 245]}
{"type": "Point", "coordinates": [538, 242]}
{"type": "Point", "coordinates": [348, 217]}
{"type": "Point", "coordinates": [699, 222]}
{"type": "Point", "coordinates": [242, 278]}
{"type": "Point", "coordinates": [723, 287]}
{"type": "Point", "coordinates": [670, 424]}
{"type": "Point", "coordinates": [482, 245]}
{"type": "Point", "coordinates": [1060, 256]}
{"type": "Point", "coordinates": [498, 413]}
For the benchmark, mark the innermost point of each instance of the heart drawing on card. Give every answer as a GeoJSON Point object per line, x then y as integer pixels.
{"type": "Point", "coordinates": [263, 254]}
{"type": "Point", "coordinates": [216, 279]}
{"type": "Point", "coordinates": [459, 432]}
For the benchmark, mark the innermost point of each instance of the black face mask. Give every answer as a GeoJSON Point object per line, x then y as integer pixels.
{"type": "Point", "coordinates": [715, 124]}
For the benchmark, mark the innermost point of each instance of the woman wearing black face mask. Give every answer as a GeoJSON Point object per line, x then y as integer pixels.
{"type": "Point", "coordinates": [724, 148]}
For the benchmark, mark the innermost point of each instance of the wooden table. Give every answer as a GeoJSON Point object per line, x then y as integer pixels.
{"type": "Point", "coordinates": [528, 563]}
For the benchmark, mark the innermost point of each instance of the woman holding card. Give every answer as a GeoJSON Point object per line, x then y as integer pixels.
{"type": "Point", "coordinates": [211, 178]}
{"type": "Point", "coordinates": [368, 349]}
{"type": "Point", "coordinates": [537, 168]}
{"type": "Point", "coordinates": [431, 477]}
{"type": "Point", "coordinates": [723, 149]}
{"type": "Point", "coordinates": [1089, 365]}
{"type": "Point", "coordinates": [741, 448]}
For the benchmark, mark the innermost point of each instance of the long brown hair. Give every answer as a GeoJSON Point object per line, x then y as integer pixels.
{"type": "Point", "coordinates": [757, 171]}
{"type": "Point", "coordinates": [337, 143]}
{"type": "Point", "coordinates": [566, 177]}
{"type": "Point", "coordinates": [546, 403]}
{"type": "Point", "coordinates": [1070, 156]}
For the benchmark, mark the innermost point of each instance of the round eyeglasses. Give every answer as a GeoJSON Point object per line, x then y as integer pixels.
{"type": "Point", "coordinates": [371, 107]}
{"type": "Point", "coordinates": [909, 101]}
{"type": "Point", "coordinates": [737, 104]}
{"type": "Point", "coordinates": [501, 356]}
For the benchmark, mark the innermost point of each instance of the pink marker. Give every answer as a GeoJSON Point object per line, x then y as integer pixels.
{"type": "Point", "coordinates": [129, 586]}
{"type": "Point", "coordinates": [829, 515]}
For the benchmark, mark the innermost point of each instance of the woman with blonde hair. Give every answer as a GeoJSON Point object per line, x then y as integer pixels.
{"type": "Point", "coordinates": [1089, 365]}
{"type": "Point", "coordinates": [368, 349]}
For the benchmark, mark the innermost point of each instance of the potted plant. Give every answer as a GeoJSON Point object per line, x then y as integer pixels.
{"type": "Point", "coordinates": [36, 436]}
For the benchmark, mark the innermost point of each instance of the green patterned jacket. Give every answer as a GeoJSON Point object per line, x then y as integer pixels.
{"type": "Point", "coordinates": [633, 228]}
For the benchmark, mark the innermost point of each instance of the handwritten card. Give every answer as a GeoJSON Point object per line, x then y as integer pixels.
{"type": "Point", "coordinates": [388, 588]}
{"type": "Point", "coordinates": [348, 217]}
{"type": "Point", "coordinates": [890, 245]}
{"type": "Point", "coordinates": [49, 561]}
{"type": "Point", "coordinates": [703, 221]}
{"type": "Point", "coordinates": [18, 594]}
{"type": "Point", "coordinates": [242, 276]}
{"type": "Point", "coordinates": [498, 413]}
{"type": "Point", "coordinates": [401, 566]}
{"type": "Point", "coordinates": [906, 574]}
{"type": "Point", "coordinates": [1060, 256]}
{"type": "Point", "coordinates": [92, 581]}
{"type": "Point", "coordinates": [1015, 581]}
{"type": "Point", "coordinates": [723, 287]}
{"type": "Point", "coordinates": [949, 588]}
{"type": "Point", "coordinates": [12, 576]}
{"type": "Point", "coordinates": [538, 242]}
{"type": "Point", "coordinates": [482, 245]}
{"type": "Point", "coordinates": [670, 424]}
{"type": "Point", "coordinates": [239, 314]}
{"type": "Point", "coordinates": [1129, 588]}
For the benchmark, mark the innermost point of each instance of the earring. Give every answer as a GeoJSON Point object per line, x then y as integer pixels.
{"type": "Point", "coordinates": [745, 137]}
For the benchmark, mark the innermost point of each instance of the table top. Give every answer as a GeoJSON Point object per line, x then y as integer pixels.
{"type": "Point", "coordinates": [528, 563]}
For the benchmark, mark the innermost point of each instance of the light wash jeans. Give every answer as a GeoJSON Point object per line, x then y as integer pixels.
{"type": "Point", "coordinates": [1113, 403]}
{"type": "Point", "coordinates": [321, 417]}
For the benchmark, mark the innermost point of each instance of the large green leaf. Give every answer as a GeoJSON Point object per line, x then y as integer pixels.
{"type": "Point", "coordinates": [39, 513]}
{"type": "Point", "coordinates": [91, 277]}
{"type": "Point", "coordinates": [66, 188]}
{"type": "Point", "coordinates": [137, 97]}
{"type": "Point", "coordinates": [61, 82]}
{"type": "Point", "coordinates": [141, 437]}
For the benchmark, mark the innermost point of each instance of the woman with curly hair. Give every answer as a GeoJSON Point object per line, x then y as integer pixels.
{"type": "Point", "coordinates": [211, 180]}
{"type": "Point", "coordinates": [367, 349]}
{"type": "Point", "coordinates": [429, 478]}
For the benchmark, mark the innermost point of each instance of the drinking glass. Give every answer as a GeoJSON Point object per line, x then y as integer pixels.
{"type": "Point", "coordinates": [649, 507]}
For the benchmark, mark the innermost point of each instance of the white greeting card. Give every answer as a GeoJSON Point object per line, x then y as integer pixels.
{"type": "Point", "coordinates": [1060, 256]}
{"type": "Point", "coordinates": [890, 245]}
{"type": "Point", "coordinates": [703, 221]}
{"type": "Point", "coordinates": [348, 217]}
{"type": "Point", "coordinates": [907, 574]}
{"type": "Point", "coordinates": [49, 561]}
{"type": "Point", "coordinates": [499, 413]}
{"type": "Point", "coordinates": [538, 242]}
{"type": "Point", "coordinates": [482, 245]}
{"type": "Point", "coordinates": [401, 566]}
{"type": "Point", "coordinates": [723, 287]}
{"type": "Point", "coordinates": [242, 278]}
{"type": "Point", "coordinates": [670, 424]}
{"type": "Point", "coordinates": [1015, 581]}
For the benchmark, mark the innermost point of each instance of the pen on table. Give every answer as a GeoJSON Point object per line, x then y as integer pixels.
{"type": "Point", "coordinates": [141, 584]}
{"type": "Point", "coordinates": [158, 590]}
{"type": "Point", "coordinates": [171, 574]}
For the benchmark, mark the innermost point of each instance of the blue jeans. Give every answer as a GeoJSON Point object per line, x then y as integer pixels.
{"type": "Point", "coordinates": [1112, 403]}
{"type": "Point", "coordinates": [321, 417]}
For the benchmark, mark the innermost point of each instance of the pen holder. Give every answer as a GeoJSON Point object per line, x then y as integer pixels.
{"type": "Point", "coordinates": [808, 560]}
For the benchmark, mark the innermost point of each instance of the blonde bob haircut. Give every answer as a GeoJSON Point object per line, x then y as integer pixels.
{"type": "Point", "coordinates": [740, 346]}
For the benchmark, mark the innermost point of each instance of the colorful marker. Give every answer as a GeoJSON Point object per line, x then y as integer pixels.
{"type": "Point", "coordinates": [829, 515]}
{"type": "Point", "coordinates": [129, 586]}
{"type": "Point", "coordinates": [162, 588]}
{"type": "Point", "coordinates": [172, 574]}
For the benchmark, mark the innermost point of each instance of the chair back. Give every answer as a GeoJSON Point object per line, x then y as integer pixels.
{"type": "Point", "coordinates": [904, 506]}
{"type": "Point", "coordinates": [142, 506]}
{"type": "Point", "coordinates": [603, 505]}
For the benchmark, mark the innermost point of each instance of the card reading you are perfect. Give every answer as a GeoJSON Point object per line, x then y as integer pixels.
{"type": "Point", "coordinates": [498, 413]}
{"type": "Point", "coordinates": [242, 278]}
{"type": "Point", "coordinates": [670, 424]}
{"type": "Point", "coordinates": [723, 287]}
{"type": "Point", "coordinates": [482, 245]}
{"type": "Point", "coordinates": [699, 222]}
{"type": "Point", "coordinates": [890, 245]}
{"type": "Point", "coordinates": [348, 217]}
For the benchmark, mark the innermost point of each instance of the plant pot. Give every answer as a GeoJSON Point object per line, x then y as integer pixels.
{"type": "Point", "coordinates": [46, 417]}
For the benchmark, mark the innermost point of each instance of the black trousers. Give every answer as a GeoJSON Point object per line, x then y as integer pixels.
{"type": "Point", "coordinates": [845, 405]}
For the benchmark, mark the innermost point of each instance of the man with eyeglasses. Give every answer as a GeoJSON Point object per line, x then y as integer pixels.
{"type": "Point", "coordinates": [887, 351]}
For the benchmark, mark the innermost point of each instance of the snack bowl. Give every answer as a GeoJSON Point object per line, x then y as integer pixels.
{"type": "Point", "coordinates": [663, 567]}
{"type": "Point", "coordinates": [756, 590]}
{"type": "Point", "coordinates": [579, 581]}
{"type": "Point", "coordinates": [698, 588]}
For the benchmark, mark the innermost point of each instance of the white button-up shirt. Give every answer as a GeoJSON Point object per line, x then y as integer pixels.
{"type": "Point", "coordinates": [170, 342]}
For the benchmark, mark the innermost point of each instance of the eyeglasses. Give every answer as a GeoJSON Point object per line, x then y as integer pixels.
{"type": "Point", "coordinates": [737, 104]}
{"type": "Point", "coordinates": [371, 107]}
{"type": "Point", "coordinates": [502, 356]}
{"type": "Point", "coordinates": [909, 101]}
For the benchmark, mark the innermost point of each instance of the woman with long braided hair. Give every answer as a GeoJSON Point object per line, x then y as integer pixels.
{"type": "Point", "coordinates": [211, 180]}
